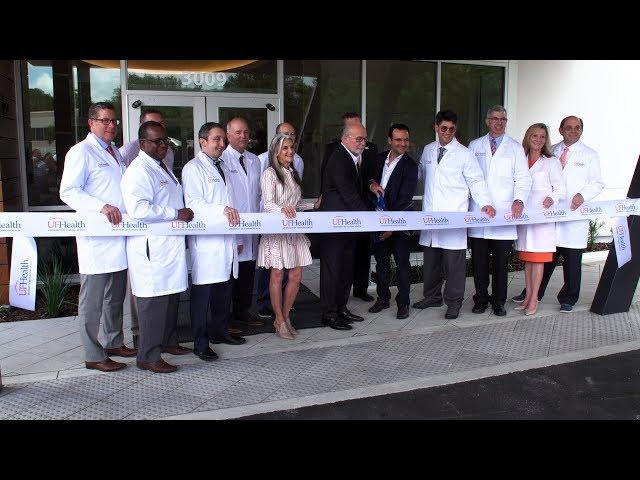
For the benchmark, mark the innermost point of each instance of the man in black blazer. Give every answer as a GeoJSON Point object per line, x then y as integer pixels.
{"type": "Point", "coordinates": [342, 187]}
{"type": "Point", "coordinates": [395, 178]}
{"type": "Point", "coordinates": [362, 256]}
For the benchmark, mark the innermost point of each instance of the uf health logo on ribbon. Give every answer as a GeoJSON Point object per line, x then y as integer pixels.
{"type": "Point", "coordinates": [58, 224]}
{"type": "Point", "coordinates": [191, 226]}
{"type": "Point", "coordinates": [510, 218]}
{"type": "Point", "coordinates": [386, 220]}
{"type": "Point", "coordinates": [473, 220]}
{"type": "Point", "coordinates": [431, 220]}
{"type": "Point", "coordinates": [24, 278]}
{"type": "Point", "coordinates": [341, 222]}
{"type": "Point", "coordinates": [623, 207]}
{"type": "Point", "coordinates": [293, 223]}
{"type": "Point", "coordinates": [587, 210]}
{"type": "Point", "coordinates": [550, 213]}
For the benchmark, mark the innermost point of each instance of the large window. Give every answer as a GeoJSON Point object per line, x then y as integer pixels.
{"type": "Point", "coordinates": [316, 94]}
{"type": "Point", "coordinates": [56, 98]}
{"type": "Point", "coordinates": [239, 76]}
{"type": "Point", "coordinates": [469, 90]}
{"type": "Point", "coordinates": [401, 92]}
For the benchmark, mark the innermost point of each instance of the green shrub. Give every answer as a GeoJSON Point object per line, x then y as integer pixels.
{"type": "Point", "coordinates": [53, 285]}
{"type": "Point", "coordinates": [594, 229]}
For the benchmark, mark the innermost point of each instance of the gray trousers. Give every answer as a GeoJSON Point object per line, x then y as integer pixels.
{"type": "Point", "coordinates": [440, 264]}
{"type": "Point", "coordinates": [133, 308]}
{"type": "Point", "coordinates": [157, 317]}
{"type": "Point", "coordinates": [100, 301]}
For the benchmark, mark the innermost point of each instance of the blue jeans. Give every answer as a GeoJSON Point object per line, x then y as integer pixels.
{"type": "Point", "coordinates": [262, 280]}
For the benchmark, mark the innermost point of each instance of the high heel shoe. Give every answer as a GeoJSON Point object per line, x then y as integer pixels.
{"type": "Point", "coordinates": [282, 331]}
{"type": "Point", "coordinates": [292, 330]}
{"type": "Point", "coordinates": [531, 312]}
{"type": "Point", "coordinates": [520, 307]}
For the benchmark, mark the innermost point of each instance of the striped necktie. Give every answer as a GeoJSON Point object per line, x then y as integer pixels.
{"type": "Point", "coordinates": [564, 157]}
{"type": "Point", "coordinates": [494, 146]}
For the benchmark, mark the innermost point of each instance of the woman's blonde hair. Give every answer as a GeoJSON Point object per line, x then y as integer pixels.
{"type": "Point", "coordinates": [526, 141]}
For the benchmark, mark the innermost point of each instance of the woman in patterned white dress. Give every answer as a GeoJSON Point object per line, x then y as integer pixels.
{"type": "Point", "coordinates": [282, 193]}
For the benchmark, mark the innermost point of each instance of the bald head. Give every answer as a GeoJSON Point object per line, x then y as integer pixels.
{"type": "Point", "coordinates": [238, 134]}
{"type": "Point", "coordinates": [354, 137]}
{"type": "Point", "coordinates": [286, 128]}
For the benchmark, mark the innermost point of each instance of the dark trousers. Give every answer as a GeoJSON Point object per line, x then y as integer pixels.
{"type": "Point", "coordinates": [216, 296]}
{"type": "Point", "coordinates": [481, 249]}
{"type": "Point", "coordinates": [336, 271]}
{"type": "Point", "coordinates": [263, 300]}
{"type": "Point", "coordinates": [440, 264]}
{"type": "Point", "coordinates": [361, 263]}
{"type": "Point", "coordinates": [398, 245]}
{"type": "Point", "coordinates": [571, 270]}
{"type": "Point", "coordinates": [157, 317]}
{"type": "Point", "coordinates": [243, 289]}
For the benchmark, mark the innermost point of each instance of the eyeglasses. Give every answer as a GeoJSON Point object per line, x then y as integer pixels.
{"type": "Point", "coordinates": [107, 121]}
{"type": "Point", "coordinates": [497, 119]}
{"type": "Point", "coordinates": [359, 139]}
{"type": "Point", "coordinates": [568, 128]}
{"type": "Point", "coordinates": [444, 129]}
{"type": "Point", "coordinates": [158, 141]}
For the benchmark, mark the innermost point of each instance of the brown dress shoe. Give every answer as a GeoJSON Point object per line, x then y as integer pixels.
{"type": "Point", "coordinates": [122, 351]}
{"type": "Point", "coordinates": [107, 365]}
{"type": "Point", "coordinates": [157, 367]}
{"type": "Point", "coordinates": [234, 330]}
{"type": "Point", "coordinates": [176, 350]}
{"type": "Point", "coordinates": [254, 322]}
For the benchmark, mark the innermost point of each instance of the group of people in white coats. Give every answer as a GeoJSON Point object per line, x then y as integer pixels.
{"type": "Point", "coordinates": [499, 173]}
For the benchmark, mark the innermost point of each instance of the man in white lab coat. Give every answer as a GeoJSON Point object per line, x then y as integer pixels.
{"type": "Point", "coordinates": [214, 258]}
{"type": "Point", "coordinates": [263, 300]}
{"type": "Point", "coordinates": [130, 151]}
{"type": "Point", "coordinates": [157, 263]}
{"type": "Point", "coordinates": [244, 178]}
{"type": "Point", "coordinates": [450, 172]}
{"type": "Point", "coordinates": [581, 172]}
{"type": "Point", "coordinates": [91, 183]}
{"type": "Point", "coordinates": [506, 171]}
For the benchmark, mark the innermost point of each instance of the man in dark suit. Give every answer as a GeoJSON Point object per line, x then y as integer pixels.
{"type": "Point", "coordinates": [342, 193]}
{"type": "Point", "coordinates": [362, 256]}
{"type": "Point", "coordinates": [395, 178]}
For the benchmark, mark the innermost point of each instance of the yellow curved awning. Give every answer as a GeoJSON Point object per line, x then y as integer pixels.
{"type": "Point", "coordinates": [174, 66]}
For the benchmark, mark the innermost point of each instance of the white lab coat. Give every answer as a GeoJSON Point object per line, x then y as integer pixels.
{"type": "Point", "coordinates": [91, 179]}
{"type": "Point", "coordinates": [298, 163]}
{"type": "Point", "coordinates": [507, 176]}
{"type": "Point", "coordinates": [446, 189]}
{"type": "Point", "coordinates": [581, 175]}
{"type": "Point", "coordinates": [153, 196]}
{"type": "Point", "coordinates": [245, 194]}
{"type": "Point", "coordinates": [213, 257]}
{"type": "Point", "coordinates": [546, 174]}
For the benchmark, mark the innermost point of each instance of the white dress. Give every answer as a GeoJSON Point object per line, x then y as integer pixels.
{"type": "Point", "coordinates": [282, 250]}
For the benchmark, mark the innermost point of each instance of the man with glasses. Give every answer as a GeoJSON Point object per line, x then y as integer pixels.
{"type": "Point", "coordinates": [130, 151]}
{"type": "Point", "coordinates": [581, 172]}
{"type": "Point", "coordinates": [506, 171]}
{"type": "Point", "coordinates": [450, 172]}
{"type": "Point", "coordinates": [263, 302]}
{"type": "Point", "coordinates": [157, 263]}
{"type": "Point", "coordinates": [342, 192]}
{"type": "Point", "coordinates": [91, 183]}
{"type": "Point", "coordinates": [362, 256]}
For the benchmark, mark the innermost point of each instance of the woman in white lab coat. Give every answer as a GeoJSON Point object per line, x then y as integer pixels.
{"type": "Point", "coordinates": [282, 193]}
{"type": "Point", "coordinates": [536, 243]}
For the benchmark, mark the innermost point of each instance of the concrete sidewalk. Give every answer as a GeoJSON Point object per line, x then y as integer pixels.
{"type": "Point", "coordinates": [44, 374]}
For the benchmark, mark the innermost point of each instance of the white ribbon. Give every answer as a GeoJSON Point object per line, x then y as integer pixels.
{"type": "Point", "coordinates": [622, 241]}
{"type": "Point", "coordinates": [21, 226]}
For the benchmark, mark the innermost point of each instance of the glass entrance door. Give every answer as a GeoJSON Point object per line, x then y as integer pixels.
{"type": "Point", "coordinates": [183, 116]}
{"type": "Point", "coordinates": [262, 115]}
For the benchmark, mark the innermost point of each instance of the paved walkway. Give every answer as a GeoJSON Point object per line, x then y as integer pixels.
{"type": "Point", "coordinates": [45, 378]}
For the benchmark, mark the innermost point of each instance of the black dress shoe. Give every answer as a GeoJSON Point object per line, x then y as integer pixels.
{"type": "Point", "coordinates": [425, 303]}
{"type": "Point", "coordinates": [499, 311]}
{"type": "Point", "coordinates": [230, 340]}
{"type": "Point", "coordinates": [403, 312]}
{"type": "Point", "coordinates": [207, 355]}
{"type": "Point", "coordinates": [365, 296]}
{"type": "Point", "coordinates": [477, 308]}
{"type": "Point", "coordinates": [347, 315]}
{"type": "Point", "coordinates": [336, 324]}
{"type": "Point", "coordinates": [378, 306]}
{"type": "Point", "coordinates": [452, 312]}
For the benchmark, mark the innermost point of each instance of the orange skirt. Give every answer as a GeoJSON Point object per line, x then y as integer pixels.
{"type": "Point", "coordinates": [537, 257]}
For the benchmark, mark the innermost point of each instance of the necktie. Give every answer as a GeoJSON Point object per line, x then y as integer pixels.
{"type": "Point", "coordinates": [564, 156]}
{"type": "Point", "coordinates": [494, 146]}
{"type": "Point", "coordinates": [164, 167]}
{"type": "Point", "coordinates": [113, 154]}
{"type": "Point", "coordinates": [242, 163]}
{"type": "Point", "coordinates": [218, 164]}
{"type": "Point", "coordinates": [441, 153]}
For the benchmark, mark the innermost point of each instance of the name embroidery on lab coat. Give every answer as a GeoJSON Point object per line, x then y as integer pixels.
{"type": "Point", "coordinates": [213, 179]}
{"type": "Point", "coordinates": [163, 182]}
{"type": "Point", "coordinates": [579, 164]}
{"type": "Point", "coordinates": [103, 164]}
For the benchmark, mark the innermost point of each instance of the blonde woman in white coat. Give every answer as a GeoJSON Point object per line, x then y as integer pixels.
{"type": "Point", "coordinates": [536, 243]}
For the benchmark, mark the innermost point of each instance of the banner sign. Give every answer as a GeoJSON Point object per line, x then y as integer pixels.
{"type": "Point", "coordinates": [24, 226]}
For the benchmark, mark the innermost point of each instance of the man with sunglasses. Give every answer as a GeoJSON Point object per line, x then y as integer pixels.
{"type": "Point", "coordinates": [91, 183]}
{"type": "Point", "coordinates": [157, 263]}
{"type": "Point", "coordinates": [130, 151]}
{"type": "Point", "coordinates": [450, 172]}
{"type": "Point", "coordinates": [506, 171]}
